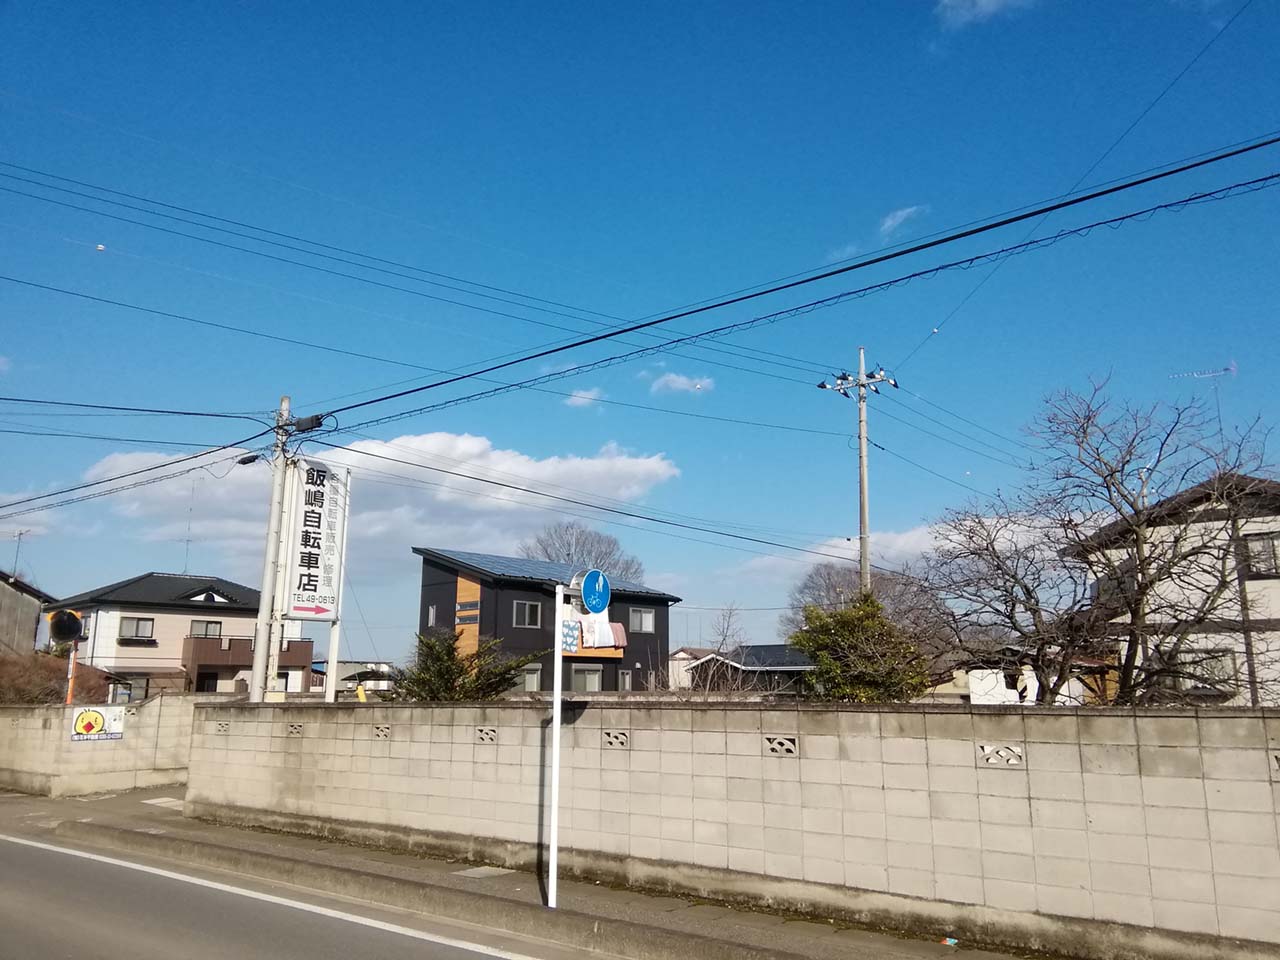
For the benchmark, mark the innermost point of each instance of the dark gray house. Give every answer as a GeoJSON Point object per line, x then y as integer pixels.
{"type": "Point", "coordinates": [511, 599]}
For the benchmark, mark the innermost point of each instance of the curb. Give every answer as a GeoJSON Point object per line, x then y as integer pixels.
{"type": "Point", "coordinates": [566, 928]}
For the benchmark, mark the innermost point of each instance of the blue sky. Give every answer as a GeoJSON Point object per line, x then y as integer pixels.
{"type": "Point", "coordinates": [625, 161]}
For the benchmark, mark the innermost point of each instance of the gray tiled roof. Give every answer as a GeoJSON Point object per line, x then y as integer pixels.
{"type": "Point", "coordinates": [168, 590]}
{"type": "Point", "coordinates": [540, 571]}
{"type": "Point", "coordinates": [770, 656]}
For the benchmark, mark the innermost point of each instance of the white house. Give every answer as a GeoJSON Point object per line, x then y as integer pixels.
{"type": "Point", "coordinates": [174, 632]}
{"type": "Point", "coordinates": [1220, 593]}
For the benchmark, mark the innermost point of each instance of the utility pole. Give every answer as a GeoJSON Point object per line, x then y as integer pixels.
{"type": "Point", "coordinates": [17, 552]}
{"type": "Point", "coordinates": [266, 598]}
{"type": "Point", "coordinates": [13, 576]}
{"type": "Point", "coordinates": [843, 384]}
{"type": "Point", "coordinates": [864, 509]}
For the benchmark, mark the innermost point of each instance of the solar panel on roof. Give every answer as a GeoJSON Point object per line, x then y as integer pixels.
{"type": "Point", "coordinates": [521, 568]}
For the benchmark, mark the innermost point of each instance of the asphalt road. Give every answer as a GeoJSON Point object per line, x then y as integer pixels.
{"type": "Point", "coordinates": [56, 905]}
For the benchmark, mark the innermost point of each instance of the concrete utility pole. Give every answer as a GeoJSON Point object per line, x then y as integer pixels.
{"type": "Point", "coordinates": [266, 598]}
{"type": "Point", "coordinates": [843, 383]}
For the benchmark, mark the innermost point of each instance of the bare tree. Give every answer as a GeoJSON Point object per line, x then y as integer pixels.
{"type": "Point", "coordinates": [1118, 561]}
{"type": "Point", "coordinates": [576, 543]}
{"type": "Point", "coordinates": [726, 629]}
{"type": "Point", "coordinates": [1015, 599]}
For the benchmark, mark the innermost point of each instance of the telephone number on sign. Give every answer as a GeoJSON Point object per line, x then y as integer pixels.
{"type": "Point", "coordinates": [323, 599]}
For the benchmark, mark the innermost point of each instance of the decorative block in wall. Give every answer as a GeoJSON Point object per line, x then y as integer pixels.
{"type": "Point", "coordinates": [1000, 754]}
{"type": "Point", "coordinates": [781, 746]}
{"type": "Point", "coordinates": [616, 739]}
{"type": "Point", "coordinates": [486, 734]}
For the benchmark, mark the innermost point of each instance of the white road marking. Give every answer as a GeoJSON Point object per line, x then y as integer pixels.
{"type": "Point", "coordinates": [481, 872]}
{"type": "Point", "coordinates": [279, 901]}
{"type": "Point", "coordinates": [173, 803]}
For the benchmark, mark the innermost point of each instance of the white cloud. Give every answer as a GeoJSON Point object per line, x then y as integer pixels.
{"type": "Point", "coordinates": [583, 398]}
{"type": "Point", "coordinates": [843, 253]}
{"type": "Point", "coordinates": [395, 506]}
{"type": "Point", "coordinates": [890, 224]}
{"type": "Point", "coordinates": [5, 364]}
{"type": "Point", "coordinates": [679, 383]}
{"type": "Point", "coordinates": [961, 13]}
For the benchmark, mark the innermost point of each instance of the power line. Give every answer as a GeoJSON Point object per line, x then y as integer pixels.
{"type": "Point", "coordinates": [964, 419]}
{"type": "Point", "coordinates": [955, 443]}
{"type": "Point", "coordinates": [559, 511]}
{"type": "Point", "coordinates": [596, 497]}
{"type": "Point", "coordinates": [326, 246]}
{"type": "Point", "coordinates": [315, 345]}
{"type": "Point", "coordinates": [114, 490]}
{"type": "Point", "coordinates": [921, 466]}
{"type": "Point", "coordinates": [666, 345]}
{"type": "Point", "coordinates": [580, 503]}
{"type": "Point", "coordinates": [94, 436]}
{"type": "Point", "coordinates": [103, 406]}
{"type": "Point", "coordinates": [839, 271]}
{"type": "Point", "coordinates": [1092, 167]}
{"type": "Point", "coordinates": [984, 219]}
{"type": "Point", "coordinates": [730, 350]}
{"type": "Point", "coordinates": [990, 256]}
{"type": "Point", "coordinates": [134, 473]}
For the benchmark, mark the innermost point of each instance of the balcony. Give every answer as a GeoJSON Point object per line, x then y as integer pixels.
{"type": "Point", "coordinates": [238, 652]}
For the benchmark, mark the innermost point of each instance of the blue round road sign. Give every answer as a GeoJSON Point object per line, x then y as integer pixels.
{"type": "Point", "coordinates": [596, 592]}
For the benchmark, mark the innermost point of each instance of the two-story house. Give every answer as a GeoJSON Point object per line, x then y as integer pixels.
{"type": "Point", "coordinates": [512, 599]}
{"type": "Point", "coordinates": [1212, 588]}
{"type": "Point", "coordinates": [174, 632]}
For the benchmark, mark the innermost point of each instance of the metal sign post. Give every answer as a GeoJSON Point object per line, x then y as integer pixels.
{"type": "Point", "coordinates": [335, 628]}
{"type": "Point", "coordinates": [557, 693]}
{"type": "Point", "coordinates": [592, 591]}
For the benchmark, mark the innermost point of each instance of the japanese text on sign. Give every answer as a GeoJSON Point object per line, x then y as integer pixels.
{"type": "Point", "coordinates": [316, 535]}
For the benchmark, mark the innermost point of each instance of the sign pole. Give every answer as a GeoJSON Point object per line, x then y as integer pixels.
{"type": "Point", "coordinates": [335, 628]}
{"type": "Point", "coordinates": [280, 592]}
{"type": "Point", "coordinates": [557, 694]}
{"type": "Point", "coordinates": [71, 671]}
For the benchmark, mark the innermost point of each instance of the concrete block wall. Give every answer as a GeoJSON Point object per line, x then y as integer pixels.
{"type": "Point", "coordinates": [37, 754]}
{"type": "Point", "coordinates": [1165, 821]}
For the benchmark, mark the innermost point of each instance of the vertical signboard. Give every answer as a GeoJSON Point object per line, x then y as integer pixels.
{"type": "Point", "coordinates": [314, 540]}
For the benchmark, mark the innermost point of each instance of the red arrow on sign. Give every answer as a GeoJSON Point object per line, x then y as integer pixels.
{"type": "Point", "coordinates": [312, 609]}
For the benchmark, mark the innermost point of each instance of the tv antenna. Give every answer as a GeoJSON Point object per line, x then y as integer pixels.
{"type": "Point", "coordinates": [1213, 375]}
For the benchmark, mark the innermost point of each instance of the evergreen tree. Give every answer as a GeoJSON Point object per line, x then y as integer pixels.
{"type": "Point", "coordinates": [440, 672]}
{"type": "Point", "coordinates": [859, 656]}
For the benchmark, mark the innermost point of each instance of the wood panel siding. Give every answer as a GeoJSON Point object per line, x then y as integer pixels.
{"type": "Point", "coordinates": [468, 615]}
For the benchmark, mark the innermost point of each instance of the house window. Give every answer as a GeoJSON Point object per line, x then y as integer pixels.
{"type": "Point", "coordinates": [137, 628]}
{"type": "Point", "coordinates": [624, 680]}
{"type": "Point", "coordinates": [206, 628]}
{"type": "Point", "coordinates": [431, 615]}
{"type": "Point", "coordinates": [528, 613]}
{"type": "Point", "coordinates": [1208, 670]}
{"type": "Point", "coordinates": [532, 679]}
{"type": "Point", "coordinates": [586, 677]}
{"type": "Point", "coordinates": [642, 620]}
{"type": "Point", "coordinates": [207, 681]}
{"type": "Point", "coordinates": [1264, 554]}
